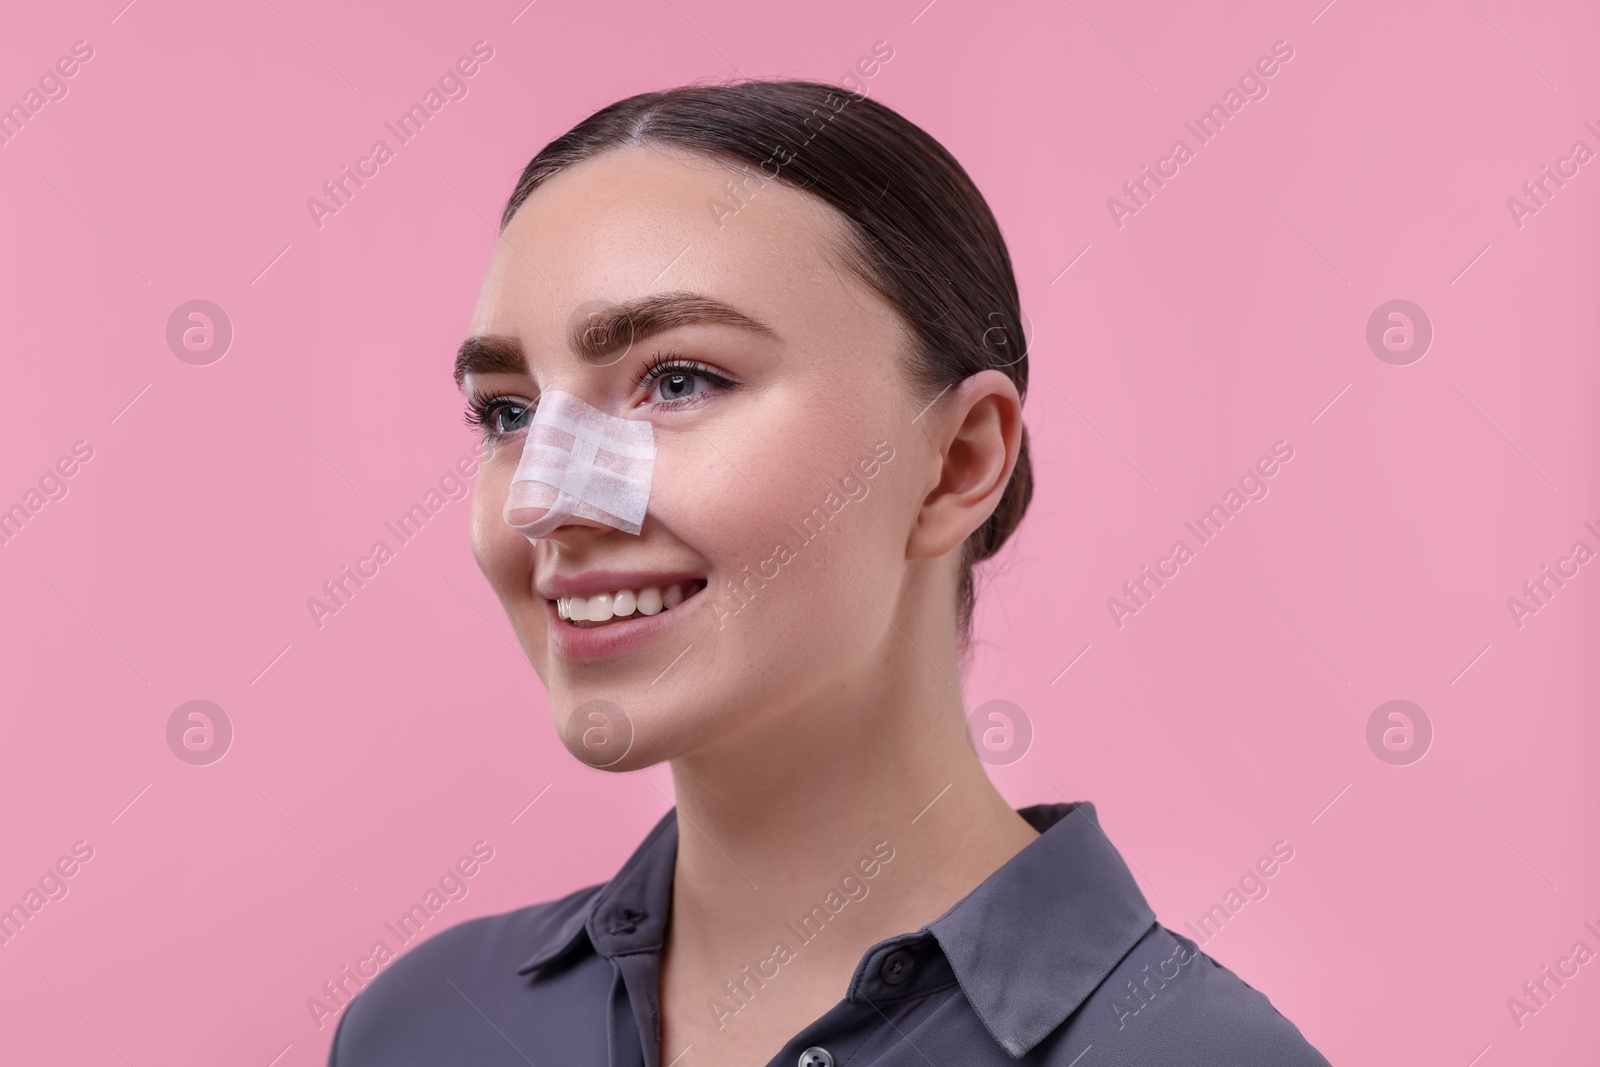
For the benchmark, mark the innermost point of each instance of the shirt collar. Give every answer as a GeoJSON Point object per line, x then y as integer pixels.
{"type": "Point", "coordinates": [626, 914]}
{"type": "Point", "coordinates": [1027, 946]}
{"type": "Point", "coordinates": [1032, 942]}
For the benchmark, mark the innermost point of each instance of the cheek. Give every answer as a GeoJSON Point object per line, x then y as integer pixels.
{"type": "Point", "coordinates": [818, 615]}
{"type": "Point", "coordinates": [763, 507]}
{"type": "Point", "coordinates": [735, 491]}
{"type": "Point", "coordinates": [709, 503]}
{"type": "Point", "coordinates": [502, 554]}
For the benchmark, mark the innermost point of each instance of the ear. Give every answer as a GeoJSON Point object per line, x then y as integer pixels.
{"type": "Point", "coordinates": [977, 428]}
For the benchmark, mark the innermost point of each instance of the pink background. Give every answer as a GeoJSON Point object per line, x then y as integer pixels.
{"type": "Point", "coordinates": [1226, 315]}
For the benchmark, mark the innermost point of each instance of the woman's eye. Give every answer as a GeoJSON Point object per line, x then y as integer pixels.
{"type": "Point", "coordinates": [677, 386]}
{"type": "Point", "coordinates": [498, 417]}
{"type": "Point", "coordinates": [506, 417]}
{"type": "Point", "coordinates": [679, 383]}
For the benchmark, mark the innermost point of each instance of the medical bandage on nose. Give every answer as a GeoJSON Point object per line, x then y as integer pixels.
{"type": "Point", "coordinates": [579, 462]}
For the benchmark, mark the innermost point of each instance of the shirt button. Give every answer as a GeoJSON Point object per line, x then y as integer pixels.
{"type": "Point", "coordinates": [896, 967]}
{"type": "Point", "coordinates": [624, 921]}
{"type": "Point", "coordinates": [816, 1056]}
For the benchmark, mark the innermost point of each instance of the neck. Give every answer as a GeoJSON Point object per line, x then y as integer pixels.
{"type": "Point", "coordinates": [771, 821]}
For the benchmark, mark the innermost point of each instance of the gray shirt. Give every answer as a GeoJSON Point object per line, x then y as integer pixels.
{"type": "Point", "coordinates": [1056, 959]}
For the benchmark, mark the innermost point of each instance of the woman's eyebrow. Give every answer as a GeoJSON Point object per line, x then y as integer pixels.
{"type": "Point", "coordinates": [606, 330]}
{"type": "Point", "coordinates": [489, 354]}
{"type": "Point", "coordinates": [619, 326]}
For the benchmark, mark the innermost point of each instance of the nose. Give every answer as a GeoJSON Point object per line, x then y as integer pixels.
{"type": "Point", "coordinates": [567, 529]}
{"type": "Point", "coordinates": [579, 463]}
{"type": "Point", "coordinates": [564, 512]}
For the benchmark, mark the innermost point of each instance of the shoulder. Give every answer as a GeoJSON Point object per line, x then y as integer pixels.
{"type": "Point", "coordinates": [414, 1004]}
{"type": "Point", "coordinates": [1167, 1001]}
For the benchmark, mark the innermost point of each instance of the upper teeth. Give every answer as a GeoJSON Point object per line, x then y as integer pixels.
{"type": "Point", "coordinates": [624, 602]}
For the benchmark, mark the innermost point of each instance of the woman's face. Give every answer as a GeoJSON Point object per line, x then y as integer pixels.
{"type": "Point", "coordinates": [788, 470]}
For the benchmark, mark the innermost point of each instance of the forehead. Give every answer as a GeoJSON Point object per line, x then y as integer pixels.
{"type": "Point", "coordinates": [640, 220]}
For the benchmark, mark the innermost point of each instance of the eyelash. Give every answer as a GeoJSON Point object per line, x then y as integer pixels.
{"type": "Point", "coordinates": [481, 410]}
{"type": "Point", "coordinates": [664, 363]}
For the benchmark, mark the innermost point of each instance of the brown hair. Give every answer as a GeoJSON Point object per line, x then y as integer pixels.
{"type": "Point", "coordinates": [925, 238]}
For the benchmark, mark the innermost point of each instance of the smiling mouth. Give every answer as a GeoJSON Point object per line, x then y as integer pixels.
{"type": "Point", "coordinates": [606, 608]}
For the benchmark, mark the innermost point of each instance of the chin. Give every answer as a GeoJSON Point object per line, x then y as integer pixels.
{"type": "Point", "coordinates": [622, 732]}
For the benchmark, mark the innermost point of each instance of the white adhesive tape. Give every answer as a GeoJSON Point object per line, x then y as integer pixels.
{"type": "Point", "coordinates": [579, 462]}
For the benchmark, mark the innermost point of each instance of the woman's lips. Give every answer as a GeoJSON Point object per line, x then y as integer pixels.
{"type": "Point", "coordinates": [596, 640]}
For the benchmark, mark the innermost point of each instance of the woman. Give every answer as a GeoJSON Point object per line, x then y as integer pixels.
{"type": "Point", "coordinates": [748, 359]}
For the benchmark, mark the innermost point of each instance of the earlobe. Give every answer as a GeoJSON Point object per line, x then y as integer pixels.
{"type": "Point", "coordinates": [978, 429]}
